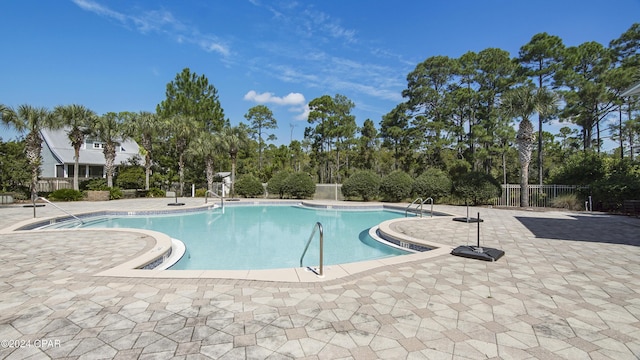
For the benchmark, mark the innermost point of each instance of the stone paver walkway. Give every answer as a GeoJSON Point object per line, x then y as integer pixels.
{"type": "Point", "coordinates": [567, 288]}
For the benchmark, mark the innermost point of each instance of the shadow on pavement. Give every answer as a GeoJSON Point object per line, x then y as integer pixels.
{"type": "Point", "coordinates": [604, 229]}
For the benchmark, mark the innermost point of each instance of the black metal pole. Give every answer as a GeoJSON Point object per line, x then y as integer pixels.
{"type": "Point", "coordinates": [478, 229]}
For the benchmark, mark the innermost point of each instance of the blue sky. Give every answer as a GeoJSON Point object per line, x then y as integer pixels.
{"type": "Point", "coordinates": [118, 55]}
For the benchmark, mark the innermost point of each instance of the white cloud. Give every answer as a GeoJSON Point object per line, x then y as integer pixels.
{"type": "Point", "coordinates": [305, 112]}
{"type": "Point", "coordinates": [270, 98]}
{"type": "Point", "coordinates": [295, 101]}
{"type": "Point", "coordinates": [160, 21]}
{"type": "Point", "coordinates": [94, 7]}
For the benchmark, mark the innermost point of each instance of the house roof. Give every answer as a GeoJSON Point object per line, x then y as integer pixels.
{"type": "Point", "coordinates": [58, 142]}
{"type": "Point", "coordinates": [633, 90]}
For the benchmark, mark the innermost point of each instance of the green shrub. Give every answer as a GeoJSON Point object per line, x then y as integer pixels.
{"type": "Point", "coordinates": [249, 186]}
{"type": "Point", "coordinates": [299, 185]}
{"type": "Point", "coordinates": [155, 193]}
{"type": "Point", "coordinates": [66, 195]}
{"type": "Point", "coordinates": [580, 169]}
{"type": "Point", "coordinates": [622, 182]}
{"type": "Point", "coordinates": [569, 202]}
{"type": "Point", "coordinates": [363, 183]}
{"type": "Point", "coordinates": [476, 187]}
{"type": "Point", "coordinates": [115, 193]}
{"type": "Point", "coordinates": [130, 177]}
{"type": "Point", "coordinates": [200, 192]}
{"type": "Point", "coordinates": [433, 183]}
{"type": "Point", "coordinates": [396, 186]}
{"type": "Point", "coordinates": [97, 184]}
{"type": "Point", "coordinates": [276, 184]}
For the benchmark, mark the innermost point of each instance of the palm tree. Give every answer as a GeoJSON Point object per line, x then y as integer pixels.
{"type": "Point", "coordinates": [31, 119]}
{"type": "Point", "coordinates": [183, 129]}
{"type": "Point", "coordinates": [146, 125]}
{"type": "Point", "coordinates": [78, 118]}
{"type": "Point", "coordinates": [520, 102]}
{"type": "Point", "coordinates": [231, 139]}
{"type": "Point", "coordinates": [109, 129]}
{"type": "Point", "coordinates": [206, 146]}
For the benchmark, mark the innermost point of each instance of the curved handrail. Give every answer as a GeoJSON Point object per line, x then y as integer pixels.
{"type": "Point", "coordinates": [317, 226]}
{"type": "Point", "coordinates": [414, 202]}
{"type": "Point", "coordinates": [206, 197]}
{"type": "Point", "coordinates": [55, 206]}
{"type": "Point", "coordinates": [425, 200]}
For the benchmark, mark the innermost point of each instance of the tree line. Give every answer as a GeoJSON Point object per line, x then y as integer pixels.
{"type": "Point", "coordinates": [457, 115]}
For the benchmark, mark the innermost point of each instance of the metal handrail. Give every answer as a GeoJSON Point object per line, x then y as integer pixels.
{"type": "Point", "coordinates": [428, 199]}
{"type": "Point", "coordinates": [55, 206]}
{"type": "Point", "coordinates": [206, 197]}
{"type": "Point", "coordinates": [317, 226]}
{"type": "Point", "coordinates": [414, 202]}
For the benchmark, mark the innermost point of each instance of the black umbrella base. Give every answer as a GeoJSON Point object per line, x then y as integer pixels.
{"type": "Point", "coordinates": [175, 204]}
{"type": "Point", "coordinates": [479, 253]}
{"type": "Point", "coordinates": [468, 220]}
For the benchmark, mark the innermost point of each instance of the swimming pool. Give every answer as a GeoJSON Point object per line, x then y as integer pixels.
{"type": "Point", "coordinates": [265, 236]}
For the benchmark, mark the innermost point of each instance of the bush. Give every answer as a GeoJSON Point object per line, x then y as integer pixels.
{"type": "Point", "coordinates": [97, 184]}
{"type": "Point", "coordinates": [396, 186]}
{"type": "Point", "coordinates": [299, 185]}
{"type": "Point", "coordinates": [66, 195]}
{"type": "Point", "coordinates": [432, 183]}
{"type": "Point", "coordinates": [569, 202]}
{"type": "Point", "coordinates": [249, 186]}
{"type": "Point", "coordinates": [476, 187]}
{"type": "Point", "coordinates": [622, 182]}
{"type": "Point", "coordinates": [115, 193]}
{"type": "Point", "coordinates": [155, 192]}
{"type": "Point", "coordinates": [363, 183]}
{"type": "Point", "coordinates": [200, 192]}
{"type": "Point", "coordinates": [130, 177]}
{"type": "Point", "coordinates": [580, 169]}
{"type": "Point", "coordinates": [276, 184]}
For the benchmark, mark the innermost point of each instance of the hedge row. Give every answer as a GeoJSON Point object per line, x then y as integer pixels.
{"type": "Point", "coordinates": [474, 187]}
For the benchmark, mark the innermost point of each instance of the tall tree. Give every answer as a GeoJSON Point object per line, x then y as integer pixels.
{"type": "Point", "coordinates": [231, 140]}
{"type": "Point", "coordinates": [426, 93]}
{"type": "Point", "coordinates": [78, 118]}
{"type": "Point", "coordinates": [540, 58]}
{"type": "Point", "coordinates": [396, 134]}
{"type": "Point", "coordinates": [144, 126]}
{"type": "Point", "coordinates": [190, 95]}
{"type": "Point", "coordinates": [181, 130]}
{"type": "Point", "coordinates": [334, 124]}
{"type": "Point", "coordinates": [31, 119]}
{"type": "Point", "coordinates": [109, 129]}
{"type": "Point", "coordinates": [206, 146]}
{"type": "Point", "coordinates": [520, 103]}
{"type": "Point", "coordinates": [627, 47]}
{"type": "Point", "coordinates": [261, 118]}
{"type": "Point", "coordinates": [586, 96]}
{"type": "Point", "coordinates": [367, 143]}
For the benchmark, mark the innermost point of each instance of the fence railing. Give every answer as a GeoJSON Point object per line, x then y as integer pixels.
{"type": "Point", "coordinates": [53, 184]}
{"type": "Point", "coordinates": [539, 195]}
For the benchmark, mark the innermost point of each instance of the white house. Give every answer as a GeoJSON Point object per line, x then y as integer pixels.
{"type": "Point", "coordinates": [58, 155]}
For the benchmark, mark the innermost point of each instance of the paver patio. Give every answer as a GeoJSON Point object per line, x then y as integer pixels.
{"type": "Point", "coordinates": [567, 287]}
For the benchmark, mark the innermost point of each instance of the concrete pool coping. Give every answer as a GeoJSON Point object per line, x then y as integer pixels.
{"type": "Point", "coordinates": [162, 245]}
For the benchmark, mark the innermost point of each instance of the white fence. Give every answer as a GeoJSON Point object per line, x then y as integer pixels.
{"type": "Point", "coordinates": [539, 195]}
{"type": "Point", "coordinates": [52, 184]}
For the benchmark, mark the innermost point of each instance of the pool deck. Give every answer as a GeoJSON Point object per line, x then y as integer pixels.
{"type": "Point", "coordinates": [567, 287]}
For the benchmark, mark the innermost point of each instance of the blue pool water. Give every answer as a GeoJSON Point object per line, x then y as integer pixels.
{"type": "Point", "coordinates": [265, 237]}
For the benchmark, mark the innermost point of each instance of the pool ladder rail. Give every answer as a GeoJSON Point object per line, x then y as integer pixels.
{"type": "Point", "coordinates": [419, 203]}
{"type": "Point", "coordinates": [206, 198]}
{"type": "Point", "coordinates": [55, 206]}
{"type": "Point", "coordinates": [316, 227]}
